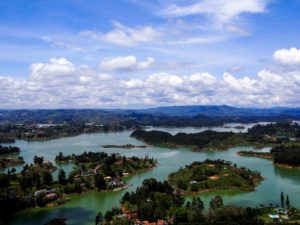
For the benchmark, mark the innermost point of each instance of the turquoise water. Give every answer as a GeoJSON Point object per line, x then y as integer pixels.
{"type": "Point", "coordinates": [82, 209]}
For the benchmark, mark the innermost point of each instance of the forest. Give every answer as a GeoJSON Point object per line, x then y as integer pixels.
{"type": "Point", "coordinates": [287, 154]}
{"type": "Point", "coordinates": [197, 142]}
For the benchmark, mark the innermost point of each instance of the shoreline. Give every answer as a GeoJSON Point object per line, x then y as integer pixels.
{"type": "Point", "coordinates": [250, 189]}
{"type": "Point", "coordinates": [269, 157]}
{"type": "Point", "coordinates": [195, 148]}
{"type": "Point", "coordinates": [254, 155]}
{"type": "Point", "coordinates": [127, 146]}
{"type": "Point", "coordinates": [286, 166]}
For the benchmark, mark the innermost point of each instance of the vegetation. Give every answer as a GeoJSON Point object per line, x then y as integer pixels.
{"type": "Point", "coordinates": [211, 175]}
{"type": "Point", "coordinates": [35, 132]}
{"type": "Point", "coordinates": [198, 141]}
{"type": "Point", "coordinates": [34, 186]}
{"type": "Point", "coordinates": [270, 134]}
{"type": "Point", "coordinates": [114, 165]}
{"type": "Point", "coordinates": [6, 140]}
{"type": "Point", "coordinates": [265, 155]}
{"type": "Point", "coordinates": [10, 161]}
{"type": "Point", "coordinates": [158, 201]}
{"type": "Point", "coordinates": [281, 130]}
{"type": "Point", "coordinates": [287, 154]}
{"type": "Point", "coordinates": [9, 150]}
{"type": "Point", "coordinates": [127, 146]}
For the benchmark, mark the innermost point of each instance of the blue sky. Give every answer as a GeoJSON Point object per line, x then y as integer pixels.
{"type": "Point", "coordinates": [130, 53]}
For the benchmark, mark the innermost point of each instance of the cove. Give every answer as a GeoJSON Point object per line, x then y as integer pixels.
{"type": "Point", "coordinates": [82, 209]}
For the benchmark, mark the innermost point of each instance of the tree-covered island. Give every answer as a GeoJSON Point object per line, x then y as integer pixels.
{"type": "Point", "coordinates": [259, 135]}
{"type": "Point", "coordinates": [127, 146]}
{"type": "Point", "coordinates": [212, 175]}
{"type": "Point", "coordinates": [6, 161]}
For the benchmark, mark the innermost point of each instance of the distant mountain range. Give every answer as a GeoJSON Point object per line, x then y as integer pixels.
{"type": "Point", "coordinates": [216, 111]}
{"type": "Point", "coordinates": [168, 116]}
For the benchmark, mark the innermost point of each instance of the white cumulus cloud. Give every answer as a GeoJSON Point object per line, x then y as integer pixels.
{"type": "Point", "coordinates": [61, 84]}
{"type": "Point", "coordinates": [127, 63]}
{"type": "Point", "coordinates": [287, 56]}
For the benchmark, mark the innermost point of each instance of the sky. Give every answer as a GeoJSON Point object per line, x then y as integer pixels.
{"type": "Point", "coordinates": [141, 54]}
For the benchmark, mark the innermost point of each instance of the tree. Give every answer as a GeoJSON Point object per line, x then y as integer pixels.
{"type": "Point", "coordinates": [282, 200]}
{"type": "Point", "coordinates": [197, 204]}
{"type": "Point", "coordinates": [47, 178]}
{"type": "Point", "coordinates": [216, 202]}
{"type": "Point", "coordinates": [100, 182]}
{"type": "Point", "coordinates": [62, 177]}
{"type": "Point", "coordinates": [99, 218]}
{"type": "Point", "coordinates": [287, 202]}
{"type": "Point", "coordinates": [111, 213]}
{"type": "Point", "coordinates": [38, 160]}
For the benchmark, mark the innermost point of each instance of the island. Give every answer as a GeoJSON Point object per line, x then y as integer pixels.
{"type": "Point", "coordinates": [6, 161]}
{"type": "Point", "coordinates": [206, 140]}
{"type": "Point", "coordinates": [10, 161]}
{"type": "Point", "coordinates": [285, 155]}
{"type": "Point", "coordinates": [127, 146]}
{"type": "Point", "coordinates": [212, 175]}
{"type": "Point", "coordinates": [265, 155]}
{"type": "Point", "coordinates": [259, 135]}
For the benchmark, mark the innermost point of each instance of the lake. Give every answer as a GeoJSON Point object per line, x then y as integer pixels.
{"type": "Point", "coordinates": [82, 209]}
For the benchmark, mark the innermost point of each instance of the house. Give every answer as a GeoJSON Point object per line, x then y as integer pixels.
{"type": "Point", "coordinates": [44, 191]}
{"type": "Point", "coordinates": [113, 183]}
{"type": "Point", "coordinates": [281, 211]}
{"type": "Point", "coordinates": [51, 196]}
{"type": "Point", "coordinates": [107, 178]}
{"type": "Point", "coordinates": [37, 193]}
{"type": "Point", "coordinates": [161, 222]}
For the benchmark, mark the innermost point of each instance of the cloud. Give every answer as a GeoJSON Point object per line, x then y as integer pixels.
{"type": "Point", "coordinates": [125, 36]}
{"type": "Point", "coordinates": [287, 56]}
{"type": "Point", "coordinates": [235, 69]}
{"type": "Point", "coordinates": [236, 29]}
{"type": "Point", "coordinates": [125, 64]}
{"type": "Point", "coordinates": [215, 16]}
{"type": "Point", "coordinates": [66, 45]}
{"type": "Point", "coordinates": [222, 10]}
{"type": "Point", "coordinates": [61, 84]}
